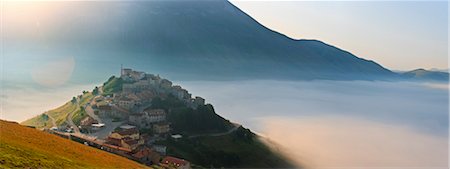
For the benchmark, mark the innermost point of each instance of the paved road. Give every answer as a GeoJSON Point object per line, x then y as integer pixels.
{"type": "Point", "coordinates": [104, 132]}
{"type": "Point", "coordinates": [70, 117]}
{"type": "Point", "coordinates": [71, 123]}
{"type": "Point", "coordinates": [235, 127]}
{"type": "Point", "coordinates": [88, 107]}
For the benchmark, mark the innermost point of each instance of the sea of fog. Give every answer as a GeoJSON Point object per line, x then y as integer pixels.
{"type": "Point", "coordinates": [331, 124]}
{"type": "Point", "coordinates": [319, 124]}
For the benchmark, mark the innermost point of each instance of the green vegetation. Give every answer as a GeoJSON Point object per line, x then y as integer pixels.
{"type": "Point", "coordinates": [79, 115]}
{"type": "Point", "coordinates": [186, 120]}
{"type": "Point", "coordinates": [240, 149]}
{"type": "Point", "coordinates": [113, 85]}
{"type": "Point", "coordinates": [39, 121]}
{"type": "Point", "coordinates": [95, 91]}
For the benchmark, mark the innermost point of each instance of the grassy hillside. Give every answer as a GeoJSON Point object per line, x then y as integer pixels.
{"type": "Point", "coordinates": [23, 147]}
{"type": "Point", "coordinates": [60, 114]}
{"type": "Point", "coordinates": [113, 85]}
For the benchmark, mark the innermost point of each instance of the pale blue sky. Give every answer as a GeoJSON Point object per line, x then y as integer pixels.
{"type": "Point", "coordinates": [398, 35]}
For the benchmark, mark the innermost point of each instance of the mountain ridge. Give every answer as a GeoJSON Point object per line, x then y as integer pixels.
{"type": "Point", "coordinates": [197, 40]}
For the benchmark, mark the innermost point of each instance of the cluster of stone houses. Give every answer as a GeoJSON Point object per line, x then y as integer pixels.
{"type": "Point", "coordinates": [138, 82]}
{"type": "Point", "coordinates": [151, 118]}
{"type": "Point", "coordinates": [128, 142]}
{"type": "Point", "coordinates": [132, 106]}
{"type": "Point", "coordinates": [137, 92]}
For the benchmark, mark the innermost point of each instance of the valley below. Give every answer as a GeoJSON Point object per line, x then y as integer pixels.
{"type": "Point", "coordinates": [341, 124]}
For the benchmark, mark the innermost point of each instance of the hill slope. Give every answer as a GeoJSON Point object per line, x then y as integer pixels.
{"type": "Point", "coordinates": [188, 40]}
{"type": "Point", "coordinates": [23, 147]}
{"type": "Point", "coordinates": [426, 75]}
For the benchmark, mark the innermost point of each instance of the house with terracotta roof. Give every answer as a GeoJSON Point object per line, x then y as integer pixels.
{"type": "Point", "coordinates": [114, 141]}
{"type": "Point", "coordinates": [129, 143]}
{"type": "Point", "coordinates": [127, 137]}
{"type": "Point", "coordinates": [132, 133]}
{"type": "Point", "coordinates": [172, 162]}
{"type": "Point", "coordinates": [146, 155]}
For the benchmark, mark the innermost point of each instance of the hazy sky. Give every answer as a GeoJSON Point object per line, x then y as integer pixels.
{"type": "Point", "coordinates": [398, 35]}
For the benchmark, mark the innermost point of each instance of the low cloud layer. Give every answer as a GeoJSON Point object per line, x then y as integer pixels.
{"type": "Point", "coordinates": [336, 142]}
{"type": "Point", "coordinates": [328, 124]}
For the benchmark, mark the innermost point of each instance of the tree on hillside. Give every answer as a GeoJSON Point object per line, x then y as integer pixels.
{"type": "Point", "coordinates": [95, 91]}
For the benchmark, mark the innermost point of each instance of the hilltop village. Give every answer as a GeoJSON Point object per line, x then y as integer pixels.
{"type": "Point", "coordinates": [114, 120]}
{"type": "Point", "coordinates": [148, 119]}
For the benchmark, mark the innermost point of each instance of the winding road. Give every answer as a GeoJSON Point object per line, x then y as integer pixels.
{"type": "Point", "coordinates": [235, 127]}
{"type": "Point", "coordinates": [70, 117]}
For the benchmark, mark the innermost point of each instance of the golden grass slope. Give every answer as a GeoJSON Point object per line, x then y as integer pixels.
{"type": "Point", "coordinates": [23, 147]}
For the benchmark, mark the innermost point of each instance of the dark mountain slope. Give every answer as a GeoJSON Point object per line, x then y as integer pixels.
{"type": "Point", "coordinates": [203, 39]}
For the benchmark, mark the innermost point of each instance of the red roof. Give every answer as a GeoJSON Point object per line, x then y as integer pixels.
{"type": "Point", "coordinates": [131, 142]}
{"type": "Point", "coordinates": [142, 153]}
{"type": "Point", "coordinates": [126, 132]}
{"type": "Point", "coordinates": [174, 161]}
{"type": "Point", "coordinates": [113, 141]}
{"type": "Point", "coordinates": [117, 147]}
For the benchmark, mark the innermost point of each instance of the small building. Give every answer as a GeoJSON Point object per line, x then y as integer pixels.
{"type": "Point", "coordinates": [130, 75]}
{"type": "Point", "coordinates": [155, 115]}
{"type": "Point", "coordinates": [199, 101]}
{"type": "Point", "coordinates": [166, 84]}
{"type": "Point", "coordinates": [98, 125]}
{"type": "Point", "coordinates": [129, 143]}
{"type": "Point", "coordinates": [161, 128]}
{"type": "Point", "coordinates": [127, 127]}
{"type": "Point", "coordinates": [176, 136]}
{"type": "Point", "coordinates": [109, 111]}
{"type": "Point", "coordinates": [87, 121]}
{"type": "Point", "coordinates": [146, 155]}
{"type": "Point", "coordinates": [126, 103]}
{"type": "Point", "coordinates": [172, 162]}
{"type": "Point", "coordinates": [114, 141]}
{"type": "Point", "coordinates": [180, 93]}
{"type": "Point", "coordinates": [139, 119]}
{"type": "Point", "coordinates": [132, 133]}
{"type": "Point", "coordinates": [146, 118]}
